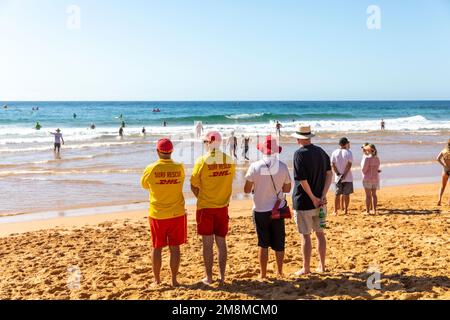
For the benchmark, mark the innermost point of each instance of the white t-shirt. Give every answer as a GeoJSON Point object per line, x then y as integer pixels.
{"type": "Point", "coordinates": [58, 136]}
{"type": "Point", "coordinates": [265, 196]}
{"type": "Point", "coordinates": [340, 158]}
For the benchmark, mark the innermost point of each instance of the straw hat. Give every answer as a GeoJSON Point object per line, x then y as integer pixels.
{"type": "Point", "coordinates": [303, 132]}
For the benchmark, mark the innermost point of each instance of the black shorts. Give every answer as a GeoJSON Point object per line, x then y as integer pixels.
{"type": "Point", "coordinates": [271, 233]}
{"type": "Point", "coordinates": [344, 188]}
{"type": "Point", "coordinates": [57, 145]}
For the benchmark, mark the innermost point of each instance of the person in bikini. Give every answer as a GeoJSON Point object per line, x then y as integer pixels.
{"type": "Point", "coordinates": [444, 160]}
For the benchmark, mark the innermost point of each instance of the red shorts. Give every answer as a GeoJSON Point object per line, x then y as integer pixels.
{"type": "Point", "coordinates": [168, 232]}
{"type": "Point", "coordinates": [213, 221]}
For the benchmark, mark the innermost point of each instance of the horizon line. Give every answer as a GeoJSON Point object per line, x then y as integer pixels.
{"type": "Point", "coordinates": [319, 100]}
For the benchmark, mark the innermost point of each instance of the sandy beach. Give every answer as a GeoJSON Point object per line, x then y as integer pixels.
{"type": "Point", "coordinates": [407, 242]}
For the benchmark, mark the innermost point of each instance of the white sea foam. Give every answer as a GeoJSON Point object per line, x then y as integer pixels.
{"type": "Point", "coordinates": [246, 116]}
{"type": "Point", "coordinates": [10, 135]}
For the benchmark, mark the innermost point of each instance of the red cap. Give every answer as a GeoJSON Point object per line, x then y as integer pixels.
{"type": "Point", "coordinates": [164, 146]}
{"type": "Point", "coordinates": [270, 146]}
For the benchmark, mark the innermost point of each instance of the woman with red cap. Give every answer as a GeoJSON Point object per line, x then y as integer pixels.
{"type": "Point", "coordinates": [168, 224]}
{"type": "Point", "coordinates": [269, 179]}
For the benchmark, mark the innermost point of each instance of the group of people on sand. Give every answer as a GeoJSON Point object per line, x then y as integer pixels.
{"type": "Point", "coordinates": [342, 162]}
{"type": "Point", "coordinates": [267, 179]}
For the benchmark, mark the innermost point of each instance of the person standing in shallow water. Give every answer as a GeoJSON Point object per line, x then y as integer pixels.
{"type": "Point", "coordinates": [58, 140]}
{"type": "Point", "coordinates": [245, 147]}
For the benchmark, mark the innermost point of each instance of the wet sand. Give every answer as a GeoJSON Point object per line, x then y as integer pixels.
{"type": "Point", "coordinates": [408, 242]}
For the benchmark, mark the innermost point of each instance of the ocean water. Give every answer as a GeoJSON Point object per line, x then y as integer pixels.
{"type": "Point", "coordinates": [97, 167]}
{"type": "Point", "coordinates": [18, 121]}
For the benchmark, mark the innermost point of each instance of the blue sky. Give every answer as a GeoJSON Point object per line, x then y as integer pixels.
{"type": "Point", "coordinates": [224, 50]}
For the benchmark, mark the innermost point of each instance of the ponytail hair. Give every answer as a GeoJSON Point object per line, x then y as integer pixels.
{"type": "Point", "coordinates": [374, 150]}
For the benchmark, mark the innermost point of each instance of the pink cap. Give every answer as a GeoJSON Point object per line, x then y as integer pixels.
{"type": "Point", "coordinates": [214, 138]}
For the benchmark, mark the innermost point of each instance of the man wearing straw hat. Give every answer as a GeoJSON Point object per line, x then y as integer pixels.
{"type": "Point", "coordinates": [313, 176]}
{"type": "Point", "coordinates": [58, 139]}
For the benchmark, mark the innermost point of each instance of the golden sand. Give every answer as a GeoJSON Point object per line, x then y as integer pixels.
{"type": "Point", "coordinates": [408, 242]}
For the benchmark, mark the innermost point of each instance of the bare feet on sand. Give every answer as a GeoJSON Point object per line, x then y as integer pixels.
{"type": "Point", "coordinates": [321, 269]}
{"type": "Point", "coordinates": [175, 283]}
{"type": "Point", "coordinates": [302, 272]}
{"type": "Point", "coordinates": [207, 281]}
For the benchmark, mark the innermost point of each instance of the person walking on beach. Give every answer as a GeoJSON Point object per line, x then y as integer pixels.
{"type": "Point", "coordinates": [313, 176]}
{"type": "Point", "coordinates": [383, 125]}
{"type": "Point", "coordinates": [211, 183]}
{"type": "Point", "coordinates": [245, 147]}
{"type": "Point", "coordinates": [269, 180]}
{"type": "Point", "coordinates": [168, 222]}
{"type": "Point", "coordinates": [444, 160]}
{"type": "Point", "coordinates": [144, 132]}
{"type": "Point", "coordinates": [232, 143]}
{"type": "Point", "coordinates": [341, 162]}
{"type": "Point", "coordinates": [58, 139]}
{"type": "Point", "coordinates": [370, 168]}
{"type": "Point", "coordinates": [121, 132]}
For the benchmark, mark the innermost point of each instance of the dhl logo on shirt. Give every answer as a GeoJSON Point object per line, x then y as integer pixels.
{"type": "Point", "coordinates": [169, 177]}
{"type": "Point", "coordinates": [168, 181]}
{"type": "Point", "coordinates": [222, 173]}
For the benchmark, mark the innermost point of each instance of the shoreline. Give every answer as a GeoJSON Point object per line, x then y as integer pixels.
{"type": "Point", "coordinates": [21, 223]}
{"type": "Point", "coordinates": [102, 208]}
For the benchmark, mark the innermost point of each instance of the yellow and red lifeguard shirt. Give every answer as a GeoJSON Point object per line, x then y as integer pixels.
{"type": "Point", "coordinates": [164, 179]}
{"type": "Point", "coordinates": [213, 174]}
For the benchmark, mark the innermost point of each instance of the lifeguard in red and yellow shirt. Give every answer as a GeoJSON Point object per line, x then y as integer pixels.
{"type": "Point", "coordinates": [211, 183]}
{"type": "Point", "coordinates": [168, 223]}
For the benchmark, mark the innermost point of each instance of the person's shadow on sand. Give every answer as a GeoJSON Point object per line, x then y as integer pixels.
{"type": "Point", "coordinates": [408, 211]}
{"type": "Point", "coordinates": [353, 285]}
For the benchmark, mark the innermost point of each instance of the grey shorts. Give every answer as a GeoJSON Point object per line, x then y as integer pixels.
{"type": "Point", "coordinates": [344, 188]}
{"type": "Point", "coordinates": [308, 221]}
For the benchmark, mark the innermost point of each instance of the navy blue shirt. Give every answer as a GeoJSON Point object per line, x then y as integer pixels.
{"type": "Point", "coordinates": [311, 163]}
